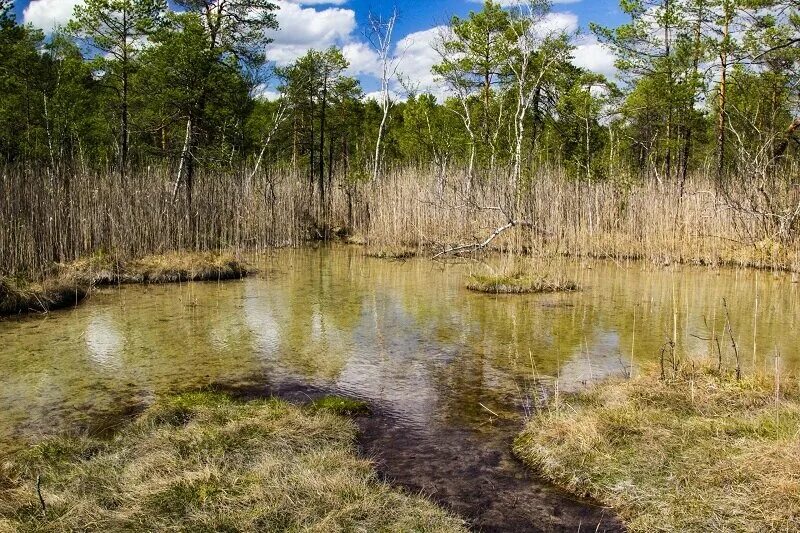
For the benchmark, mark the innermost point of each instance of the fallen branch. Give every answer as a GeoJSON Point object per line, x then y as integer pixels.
{"type": "Point", "coordinates": [474, 247]}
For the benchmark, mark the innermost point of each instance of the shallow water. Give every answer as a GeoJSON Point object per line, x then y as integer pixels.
{"type": "Point", "coordinates": [451, 371]}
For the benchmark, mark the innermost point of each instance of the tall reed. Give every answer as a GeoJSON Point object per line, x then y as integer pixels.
{"type": "Point", "coordinates": [50, 218]}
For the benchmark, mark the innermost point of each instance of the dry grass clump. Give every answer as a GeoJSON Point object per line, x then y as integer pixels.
{"type": "Point", "coordinates": [699, 452]}
{"type": "Point", "coordinates": [396, 253]}
{"type": "Point", "coordinates": [204, 462]}
{"type": "Point", "coordinates": [18, 296]}
{"type": "Point", "coordinates": [101, 269]}
{"type": "Point", "coordinates": [518, 282]}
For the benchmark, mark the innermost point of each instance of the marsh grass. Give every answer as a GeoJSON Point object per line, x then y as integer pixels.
{"type": "Point", "coordinates": [622, 218]}
{"type": "Point", "coordinates": [392, 252]}
{"type": "Point", "coordinates": [103, 269]}
{"type": "Point", "coordinates": [700, 451]}
{"type": "Point", "coordinates": [519, 282]}
{"type": "Point", "coordinates": [205, 462]}
{"type": "Point", "coordinates": [19, 296]}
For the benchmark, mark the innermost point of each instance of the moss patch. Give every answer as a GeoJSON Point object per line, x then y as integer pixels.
{"type": "Point", "coordinates": [206, 462]}
{"type": "Point", "coordinates": [699, 452]}
{"type": "Point", "coordinates": [341, 406]}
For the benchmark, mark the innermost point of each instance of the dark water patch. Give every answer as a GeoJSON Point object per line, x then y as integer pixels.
{"type": "Point", "coordinates": [474, 474]}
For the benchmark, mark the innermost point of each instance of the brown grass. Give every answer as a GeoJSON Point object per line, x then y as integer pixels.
{"type": "Point", "coordinates": [44, 221]}
{"type": "Point", "coordinates": [519, 282]}
{"type": "Point", "coordinates": [393, 253]}
{"type": "Point", "coordinates": [18, 296]}
{"type": "Point", "coordinates": [204, 462]}
{"type": "Point", "coordinates": [167, 268]}
{"type": "Point", "coordinates": [698, 452]}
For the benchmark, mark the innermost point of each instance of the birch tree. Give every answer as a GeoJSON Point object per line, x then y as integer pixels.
{"type": "Point", "coordinates": [379, 36]}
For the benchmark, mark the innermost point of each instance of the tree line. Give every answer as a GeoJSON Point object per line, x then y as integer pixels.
{"type": "Point", "coordinates": [704, 86]}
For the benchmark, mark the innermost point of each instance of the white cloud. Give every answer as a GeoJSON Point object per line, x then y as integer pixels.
{"type": "Point", "coordinates": [376, 95]}
{"type": "Point", "coordinates": [49, 14]}
{"type": "Point", "coordinates": [362, 58]}
{"type": "Point", "coordinates": [418, 56]}
{"type": "Point", "coordinates": [304, 28]}
{"type": "Point", "coordinates": [594, 56]}
{"type": "Point", "coordinates": [558, 22]}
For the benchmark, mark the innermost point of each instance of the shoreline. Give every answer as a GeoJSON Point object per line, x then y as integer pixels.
{"type": "Point", "coordinates": [646, 447]}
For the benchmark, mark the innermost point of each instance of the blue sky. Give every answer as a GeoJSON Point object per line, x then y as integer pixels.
{"type": "Point", "coordinates": [321, 23]}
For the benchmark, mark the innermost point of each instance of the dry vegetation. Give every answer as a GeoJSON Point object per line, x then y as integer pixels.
{"type": "Point", "coordinates": [518, 283]}
{"type": "Point", "coordinates": [408, 208]}
{"type": "Point", "coordinates": [697, 452]}
{"type": "Point", "coordinates": [102, 269]}
{"type": "Point", "coordinates": [66, 285]}
{"type": "Point", "coordinates": [20, 296]}
{"type": "Point", "coordinates": [204, 462]}
{"type": "Point", "coordinates": [398, 253]}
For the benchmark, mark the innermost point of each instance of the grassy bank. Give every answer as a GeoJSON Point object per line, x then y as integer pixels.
{"type": "Point", "coordinates": [518, 283]}
{"type": "Point", "coordinates": [19, 296]}
{"type": "Point", "coordinates": [204, 462]}
{"type": "Point", "coordinates": [68, 284]}
{"type": "Point", "coordinates": [698, 452]}
{"type": "Point", "coordinates": [102, 269]}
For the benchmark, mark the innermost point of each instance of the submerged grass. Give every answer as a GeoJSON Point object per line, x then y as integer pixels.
{"type": "Point", "coordinates": [518, 282]}
{"type": "Point", "coordinates": [699, 452]}
{"type": "Point", "coordinates": [205, 462]}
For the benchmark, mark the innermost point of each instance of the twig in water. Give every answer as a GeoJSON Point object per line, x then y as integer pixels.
{"type": "Point", "coordinates": [733, 341]}
{"type": "Point", "coordinates": [495, 414]}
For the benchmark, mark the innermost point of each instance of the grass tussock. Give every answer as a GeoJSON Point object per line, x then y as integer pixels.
{"type": "Point", "coordinates": [518, 282]}
{"type": "Point", "coordinates": [102, 269]}
{"type": "Point", "coordinates": [18, 296]}
{"type": "Point", "coordinates": [204, 462]}
{"type": "Point", "coordinates": [699, 452]}
{"type": "Point", "coordinates": [394, 253]}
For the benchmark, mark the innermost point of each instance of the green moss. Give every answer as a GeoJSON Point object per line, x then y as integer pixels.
{"type": "Point", "coordinates": [340, 406]}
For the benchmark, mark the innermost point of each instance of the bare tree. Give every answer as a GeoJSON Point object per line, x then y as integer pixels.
{"type": "Point", "coordinates": [379, 35]}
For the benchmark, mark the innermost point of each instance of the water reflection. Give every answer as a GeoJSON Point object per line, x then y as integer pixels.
{"type": "Point", "coordinates": [404, 335]}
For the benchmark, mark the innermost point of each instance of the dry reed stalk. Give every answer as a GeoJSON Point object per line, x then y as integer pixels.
{"type": "Point", "coordinates": [59, 219]}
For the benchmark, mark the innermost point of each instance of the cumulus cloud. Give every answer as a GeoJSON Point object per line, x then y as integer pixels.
{"type": "Point", "coordinates": [594, 56]}
{"type": "Point", "coordinates": [417, 57]}
{"type": "Point", "coordinates": [49, 14]}
{"type": "Point", "coordinates": [362, 58]}
{"type": "Point", "coordinates": [303, 28]}
{"type": "Point", "coordinates": [558, 22]}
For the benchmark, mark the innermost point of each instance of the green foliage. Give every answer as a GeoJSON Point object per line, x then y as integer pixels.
{"type": "Point", "coordinates": [131, 83]}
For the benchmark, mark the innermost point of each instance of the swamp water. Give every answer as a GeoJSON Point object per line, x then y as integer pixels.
{"type": "Point", "coordinates": [450, 373]}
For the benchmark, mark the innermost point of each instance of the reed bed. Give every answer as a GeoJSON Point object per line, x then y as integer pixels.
{"type": "Point", "coordinates": [697, 451]}
{"type": "Point", "coordinates": [205, 462]}
{"type": "Point", "coordinates": [54, 218]}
